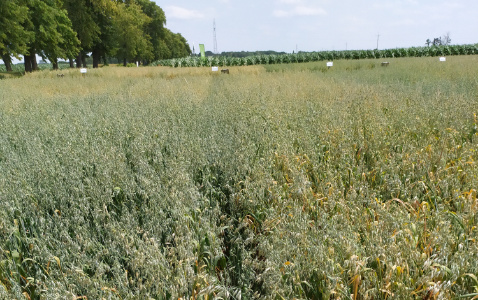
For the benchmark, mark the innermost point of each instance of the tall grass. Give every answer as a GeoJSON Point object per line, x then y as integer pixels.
{"type": "Point", "coordinates": [276, 182]}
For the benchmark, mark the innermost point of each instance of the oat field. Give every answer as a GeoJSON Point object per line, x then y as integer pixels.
{"type": "Point", "coordinates": [273, 182]}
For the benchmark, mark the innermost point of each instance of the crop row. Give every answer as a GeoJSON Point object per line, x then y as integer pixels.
{"type": "Point", "coordinates": [319, 56]}
{"type": "Point", "coordinates": [21, 67]}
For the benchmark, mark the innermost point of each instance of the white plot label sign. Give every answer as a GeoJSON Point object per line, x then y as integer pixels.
{"type": "Point", "coordinates": [83, 70]}
{"type": "Point", "coordinates": [330, 64]}
{"type": "Point", "coordinates": [442, 58]}
{"type": "Point", "coordinates": [215, 69]}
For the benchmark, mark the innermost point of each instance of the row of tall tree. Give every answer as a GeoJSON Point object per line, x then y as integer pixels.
{"type": "Point", "coordinates": [439, 41]}
{"type": "Point", "coordinates": [130, 30]}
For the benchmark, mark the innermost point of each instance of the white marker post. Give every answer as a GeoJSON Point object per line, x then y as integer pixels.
{"type": "Point", "coordinates": [330, 64]}
{"type": "Point", "coordinates": [442, 59]}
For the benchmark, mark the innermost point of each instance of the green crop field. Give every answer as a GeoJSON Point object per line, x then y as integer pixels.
{"type": "Point", "coordinates": [304, 57]}
{"type": "Point", "coordinates": [273, 182]}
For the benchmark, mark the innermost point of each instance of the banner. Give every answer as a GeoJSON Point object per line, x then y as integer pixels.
{"type": "Point", "coordinates": [201, 48]}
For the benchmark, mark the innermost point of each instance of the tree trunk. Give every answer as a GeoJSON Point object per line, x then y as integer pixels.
{"type": "Point", "coordinates": [28, 63]}
{"type": "Point", "coordinates": [33, 58]}
{"type": "Point", "coordinates": [124, 62]}
{"type": "Point", "coordinates": [83, 58]}
{"type": "Point", "coordinates": [35, 64]}
{"type": "Point", "coordinates": [72, 65]}
{"type": "Point", "coordinates": [96, 58]}
{"type": "Point", "coordinates": [55, 64]}
{"type": "Point", "coordinates": [8, 62]}
{"type": "Point", "coordinates": [78, 60]}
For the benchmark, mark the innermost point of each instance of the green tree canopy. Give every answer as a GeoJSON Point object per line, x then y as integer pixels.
{"type": "Point", "coordinates": [131, 30]}
{"type": "Point", "coordinates": [155, 28]}
{"type": "Point", "coordinates": [176, 44]}
{"type": "Point", "coordinates": [93, 23]}
{"type": "Point", "coordinates": [53, 36]}
{"type": "Point", "coordinates": [13, 35]}
{"type": "Point", "coordinates": [81, 14]}
{"type": "Point", "coordinates": [133, 42]}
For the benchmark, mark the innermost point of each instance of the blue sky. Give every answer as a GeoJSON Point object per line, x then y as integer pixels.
{"type": "Point", "coordinates": [315, 25]}
{"type": "Point", "coordinates": [312, 25]}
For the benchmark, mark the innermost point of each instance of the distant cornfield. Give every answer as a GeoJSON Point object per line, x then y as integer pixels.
{"type": "Point", "coordinates": [302, 57]}
{"type": "Point", "coordinates": [21, 67]}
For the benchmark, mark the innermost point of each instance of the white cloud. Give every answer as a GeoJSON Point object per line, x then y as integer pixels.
{"type": "Point", "coordinates": [177, 12]}
{"type": "Point", "coordinates": [290, 1]}
{"type": "Point", "coordinates": [299, 11]}
{"type": "Point", "coordinates": [405, 22]}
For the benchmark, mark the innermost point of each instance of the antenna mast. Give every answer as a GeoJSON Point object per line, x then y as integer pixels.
{"type": "Point", "coordinates": [214, 36]}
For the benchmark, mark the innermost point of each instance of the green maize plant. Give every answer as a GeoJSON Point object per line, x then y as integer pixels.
{"type": "Point", "coordinates": [301, 57]}
{"type": "Point", "coordinates": [304, 57]}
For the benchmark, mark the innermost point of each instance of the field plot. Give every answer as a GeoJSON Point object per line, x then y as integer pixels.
{"type": "Point", "coordinates": [276, 182]}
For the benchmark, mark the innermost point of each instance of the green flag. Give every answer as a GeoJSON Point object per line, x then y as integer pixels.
{"type": "Point", "coordinates": [201, 48]}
